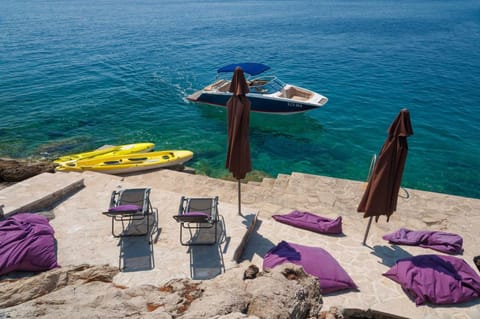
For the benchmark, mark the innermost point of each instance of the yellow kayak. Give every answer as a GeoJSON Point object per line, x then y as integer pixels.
{"type": "Point", "coordinates": [106, 151]}
{"type": "Point", "coordinates": [129, 163]}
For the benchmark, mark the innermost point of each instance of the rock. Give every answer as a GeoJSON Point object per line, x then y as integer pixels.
{"type": "Point", "coordinates": [353, 313]}
{"type": "Point", "coordinates": [223, 295]}
{"type": "Point", "coordinates": [332, 313]}
{"type": "Point", "coordinates": [88, 292]}
{"type": "Point", "coordinates": [18, 170]}
{"type": "Point", "coordinates": [251, 272]}
{"type": "Point", "coordinates": [14, 292]}
{"type": "Point", "coordinates": [285, 292]}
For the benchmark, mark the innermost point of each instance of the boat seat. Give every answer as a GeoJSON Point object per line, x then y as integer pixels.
{"type": "Point", "coordinates": [224, 87]}
{"type": "Point", "coordinates": [296, 94]}
{"type": "Point", "coordinates": [215, 85]}
{"type": "Point", "coordinates": [299, 98]}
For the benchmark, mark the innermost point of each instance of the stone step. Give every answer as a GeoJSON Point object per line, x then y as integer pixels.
{"type": "Point", "coordinates": [185, 184]}
{"type": "Point", "coordinates": [280, 195]}
{"type": "Point", "coordinates": [281, 182]}
{"type": "Point", "coordinates": [39, 192]}
{"type": "Point", "coordinates": [203, 186]}
{"type": "Point", "coordinates": [253, 183]}
{"type": "Point", "coordinates": [300, 191]}
{"type": "Point", "coordinates": [268, 182]}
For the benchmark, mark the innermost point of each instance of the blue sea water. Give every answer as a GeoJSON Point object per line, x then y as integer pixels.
{"type": "Point", "coordinates": [75, 75]}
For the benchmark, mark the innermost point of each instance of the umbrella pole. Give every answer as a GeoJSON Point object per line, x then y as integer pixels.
{"type": "Point", "coordinates": [368, 229]}
{"type": "Point", "coordinates": [239, 198]}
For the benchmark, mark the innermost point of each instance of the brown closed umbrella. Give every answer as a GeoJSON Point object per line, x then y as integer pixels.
{"type": "Point", "coordinates": [238, 120]}
{"type": "Point", "coordinates": [380, 197]}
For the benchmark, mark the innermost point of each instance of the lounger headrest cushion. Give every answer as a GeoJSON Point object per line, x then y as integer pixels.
{"type": "Point", "coordinates": [125, 208]}
{"type": "Point", "coordinates": [199, 214]}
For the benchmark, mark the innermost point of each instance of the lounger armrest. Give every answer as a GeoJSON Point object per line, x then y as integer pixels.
{"type": "Point", "coordinates": [215, 208]}
{"type": "Point", "coordinates": [181, 207]}
{"type": "Point", "coordinates": [113, 199]}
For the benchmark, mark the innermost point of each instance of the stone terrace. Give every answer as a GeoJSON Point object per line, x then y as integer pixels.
{"type": "Point", "coordinates": [83, 233]}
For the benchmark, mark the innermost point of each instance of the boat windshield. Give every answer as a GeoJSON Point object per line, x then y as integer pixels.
{"type": "Point", "coordinates": [266, 85]}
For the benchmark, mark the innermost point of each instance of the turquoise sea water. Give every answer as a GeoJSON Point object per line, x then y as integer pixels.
{"type": "Point", "coordinates": [75, 75]}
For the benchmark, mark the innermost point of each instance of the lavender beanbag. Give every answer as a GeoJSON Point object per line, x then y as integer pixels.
{"type": "Point", "coordinates": [436, 279]}
{"type": "Point", "coordinates": [311, 222]}
{"type": "Point", "coordinates": [315, 261]}
{"type": "Point", "coordinates": [26, 244]}
{"type": "Point", "coordinates": [441, 241]}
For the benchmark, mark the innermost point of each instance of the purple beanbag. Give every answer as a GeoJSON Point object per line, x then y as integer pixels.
{"type": "Point", "coordinates": [311, 222]}
{"type": "Point", "coordinates": [436, 279]}
{"type": "Point", "coordinates": [26, 244]}
{"type": "Point", "coordinates": [315, 261]}
{"type": "Point", "coordinates": [441, 241]}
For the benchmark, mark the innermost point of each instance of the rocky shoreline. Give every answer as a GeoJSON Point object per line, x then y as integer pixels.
{"type": "Point", "coordinates": [244, 292]}
{"type": "Point", "coordinates": [16, 170]}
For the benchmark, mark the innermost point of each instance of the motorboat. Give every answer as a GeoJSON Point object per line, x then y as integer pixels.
{"type": "Point", "coordinates": [268, 94]}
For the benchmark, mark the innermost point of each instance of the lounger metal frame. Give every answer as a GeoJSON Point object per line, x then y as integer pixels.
{"type": "Point", "coordinates": [126, 218]}
{"type": "Point", "coordinates": [209, 206]}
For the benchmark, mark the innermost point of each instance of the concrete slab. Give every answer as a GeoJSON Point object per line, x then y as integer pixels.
{"type": "Point", "coordinates": [39, 192]}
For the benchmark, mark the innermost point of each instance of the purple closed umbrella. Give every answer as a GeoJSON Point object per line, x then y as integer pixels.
{"type": "Point", "coordinates": [238, 121]}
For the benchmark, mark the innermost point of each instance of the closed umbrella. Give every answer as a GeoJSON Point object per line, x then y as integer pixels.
{"type": "Point", "coordinates": [380, 197]}
{"type": "Point", "coordinates": [238, 121]}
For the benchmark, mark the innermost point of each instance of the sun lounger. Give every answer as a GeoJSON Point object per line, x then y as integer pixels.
{"type": "Point", "coordinates": [133, 209]}
{"type": "Point", "coordinates": [197, 215]}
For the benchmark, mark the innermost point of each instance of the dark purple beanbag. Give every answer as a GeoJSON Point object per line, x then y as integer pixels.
{"type": "Point", "coordinates": [315, 261]}
{"type": "Point", "coordinates": [26, 244]}
{"type": "Point", "coordinates": [436, 279]}
{"type": "Point", "coordinates": [441, 241]}
{"type": "Point", "coordinates": [311, 222]}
